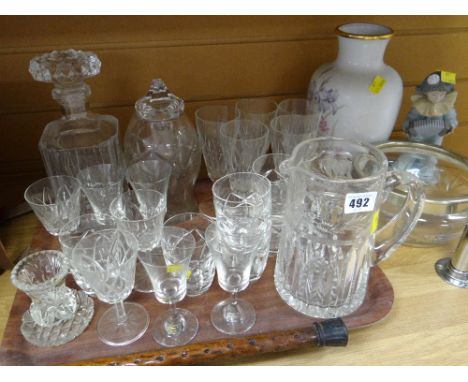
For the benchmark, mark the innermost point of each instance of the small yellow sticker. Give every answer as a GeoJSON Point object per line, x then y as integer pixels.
{"type": "Point", "coordinates": [189, 272]}
{"type": "Point", "coordinates": [375, 222]}
{"type": "Point", "coordinates": [377, 84]}
{"type": "Point", "coordinates": [174, 268]}
{"type": "Point", "coordinates": [449, 77]}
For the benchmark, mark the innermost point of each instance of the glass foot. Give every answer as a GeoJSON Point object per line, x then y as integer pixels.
{"type": "Point", "coordinates": [233, 316]}
{"type": "Point", "coordinates": [113, 334]}
{"type": "Point", "coordinates": [175, 330]}
{"type": "Point", "coordinates": [63, 332]}
{"type": "Point", "coordinates": [143, 283]}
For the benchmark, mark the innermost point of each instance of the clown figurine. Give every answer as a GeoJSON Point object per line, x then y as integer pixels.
{"type": "Point", "coordinates": [431, 117]}
{"type": "Point", "coordinates": [433, 114]}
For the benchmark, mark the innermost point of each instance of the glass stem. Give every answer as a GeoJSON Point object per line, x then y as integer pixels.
{"type": "Point", "coordinates": [234, 297]}
{"type": "Point", "coordinates": [174, 310]}
{"type": "Point", "coordinates": [121, 314]}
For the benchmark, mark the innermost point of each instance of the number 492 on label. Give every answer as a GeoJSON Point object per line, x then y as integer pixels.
{"type": "Point", "coordinates": [360, 202]}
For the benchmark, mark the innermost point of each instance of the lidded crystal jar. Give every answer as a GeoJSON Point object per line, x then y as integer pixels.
{"type": "Point", "coordinates": [160, 130]}
{"type": "Point", "coordinates": [79, 139]}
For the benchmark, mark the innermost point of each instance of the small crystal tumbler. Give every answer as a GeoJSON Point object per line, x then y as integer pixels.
{"type": "Point", "coordinates": [57, 313]}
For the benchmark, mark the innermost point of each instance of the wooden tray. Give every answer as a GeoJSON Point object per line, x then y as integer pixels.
{"type": "Point", "coordinates": [278, 327]}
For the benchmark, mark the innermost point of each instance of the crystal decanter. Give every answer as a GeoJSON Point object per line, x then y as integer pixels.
{"type": "Point", "coordinates": [79, 139]}
{"type": "Point", "coordinates": [160, 130]}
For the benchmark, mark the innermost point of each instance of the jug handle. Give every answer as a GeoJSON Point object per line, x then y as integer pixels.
{"type": "Point", "coordinates": [400, 225]}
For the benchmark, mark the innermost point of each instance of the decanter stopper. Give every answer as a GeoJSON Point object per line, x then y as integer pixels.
{"type": "Point", "coordinates": [65, 67]}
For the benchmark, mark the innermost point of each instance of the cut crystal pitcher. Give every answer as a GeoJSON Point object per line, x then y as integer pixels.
{"type": "Point", "coordinates": [330, 238]}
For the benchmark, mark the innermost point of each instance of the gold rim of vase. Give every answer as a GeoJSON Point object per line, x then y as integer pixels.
{"type": "Point", "coordinates": [361, 36]}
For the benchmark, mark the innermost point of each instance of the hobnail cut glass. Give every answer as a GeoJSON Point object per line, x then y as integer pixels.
{"type": "Point", "coordinates": [57, 313]}
{"type": "Point", "coordinates": [64, 66]}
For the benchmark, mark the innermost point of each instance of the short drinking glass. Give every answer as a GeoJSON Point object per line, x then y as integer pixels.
{"type": "Point", "coordinates": [55, 201]}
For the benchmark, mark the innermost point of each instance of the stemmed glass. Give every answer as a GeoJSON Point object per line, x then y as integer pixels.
{"type": "Point", "coordinates": [202, 269]}
{"type": "Point", "coordinates": [101, 184]}
{"type": "Point", "coordinates": [242, 203]}
{"type": "Point", "coordinates": [55, 201]}
{"type": "Point", "coordinates": [72, 232]}
{"type": "Point", "coordinates": [151, 174]}
{"type": "Point", "coordinates": [233, 315]}
{"type": "Point", "coordinates": [106, 260]}
{"type": "Point", "coordinates": [141, 212]}
{"type": "Point", "coordinates": [167, 267]}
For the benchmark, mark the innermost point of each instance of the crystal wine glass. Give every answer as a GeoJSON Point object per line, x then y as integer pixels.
{"type": "Point", "coordinates": [106, 259]}
{"type": "Point", "coordinates": [167, 267]}
{"type": "Point", "coordinates": [55, 201]}
{"type": "Point", "coordinates": [233, 315]}
{"type": "Point", "coordinates": [151, 174]}
{"type": "Point", "coordinates": [202, 269]}
{"type": "Point", "coordinates": [141, 212]}
{"type": "Point", "coordinates": [242, 204]}
{"type": "Point", "coordinates": [72, 232]}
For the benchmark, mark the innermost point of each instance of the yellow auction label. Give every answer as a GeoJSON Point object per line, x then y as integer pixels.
{"type": "Point", "coordinates": [375, 222]}
{"type": "Point", "coordinates": [377, 84]}
{"type": "Point", "coordinates": [174, 268]}
{"type": "Point", "coordinates": [189, 272]}
{"type": "Point", "coordinates": [449, 77]}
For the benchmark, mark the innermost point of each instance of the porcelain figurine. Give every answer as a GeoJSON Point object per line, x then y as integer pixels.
{"type": "Point", "coordinates": [433, 113]}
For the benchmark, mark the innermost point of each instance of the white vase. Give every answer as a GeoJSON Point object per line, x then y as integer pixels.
{"type": "Point", "coordinates": [339, 94]}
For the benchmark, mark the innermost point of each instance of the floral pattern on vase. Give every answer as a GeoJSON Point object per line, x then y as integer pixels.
{"type": "Point", "coordinates": [323, 100]}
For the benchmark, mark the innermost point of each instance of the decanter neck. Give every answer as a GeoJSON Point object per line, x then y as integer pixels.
{"type": "Point", "coordinates": [73, 100]}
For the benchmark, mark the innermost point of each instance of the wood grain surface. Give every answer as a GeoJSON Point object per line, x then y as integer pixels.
{"type": "Point", "coordinates": [280, 327]}
{"type": "Point", "coordinates": [428, 323]}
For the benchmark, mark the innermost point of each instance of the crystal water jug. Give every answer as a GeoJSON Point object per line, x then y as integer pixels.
{"type": "Point", "coordinates": [160, 130]}
{"type": "Point", "coordinates": [330, 238]}
{"type": "Point", "coordinates": [79, 139]}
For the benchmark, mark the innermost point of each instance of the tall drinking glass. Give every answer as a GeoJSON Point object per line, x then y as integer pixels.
{"type": "Point", "coordinates": [288, 130]}
{"type": "Point", "coordinates": [106, 260]}
{"type": "Point", "coordinates": [290, 106]}
{"type": "Point", "coordinates": [242, 204]}
{"type": "Point", "coordinates": [233, 315]}
{"type": "Point", "coordinates": [55, 201]}
{"type": "Point", "coordinates": [258, 109]}
{"type": "Point", "coordinates": [243, 141]}
{"type": "Point", "coordinates": [167, 267]}
{"type": "Point", "coordinates": [268, 166]}
{"type": "Point", "coordinates": [152, 174]}
{"type": "Point", "coordinates": [102, 184]}
{"type": "Point", "coordinates": [209, 120]}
